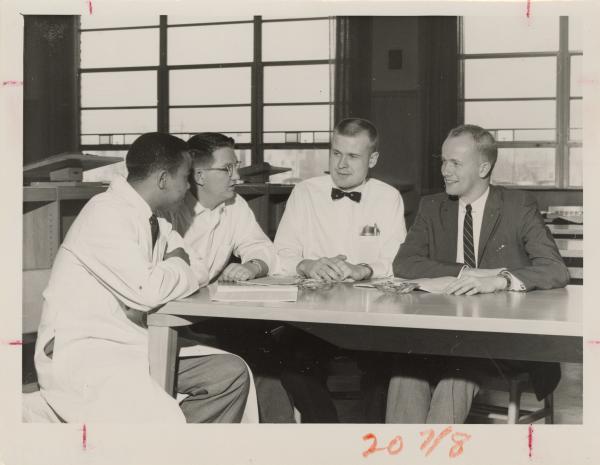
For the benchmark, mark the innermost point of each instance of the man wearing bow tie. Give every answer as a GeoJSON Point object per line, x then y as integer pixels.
{"type": "Point", "coordinates": [338, 226]}
{"type": "Point", "coordinates": [345, 224]}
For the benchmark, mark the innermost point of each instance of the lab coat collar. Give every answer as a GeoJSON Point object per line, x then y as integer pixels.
{"type": "Point", "coordinates": [120, 187]}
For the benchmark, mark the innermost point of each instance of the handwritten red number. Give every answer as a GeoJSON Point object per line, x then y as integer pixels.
{"type": "Point", "coordinates": [445, 432]}
{"type": "Point", "coordinates": [397, 440]}
{"type": "Point", "coordinates": [459, 441]}
{"type": "Point", "coordinates": [430, 434]}
{"type": "Point", "coordinates": [373, 447]}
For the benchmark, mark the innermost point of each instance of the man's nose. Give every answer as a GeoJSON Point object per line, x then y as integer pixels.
{"type": "Point", "coordinates": [343, 161]}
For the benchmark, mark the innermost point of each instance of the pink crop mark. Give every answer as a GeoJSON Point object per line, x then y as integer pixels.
{"type": "Point", "coordinates": [90, 6]}
{"type": "Point", "coordinates": [530, 440]}
{"type": "Point", "coordinates": [84, 437]}
{"type": "Point", "coordinates": [528, 10]}
{"type": "Point", "coordinates": [12, 83]}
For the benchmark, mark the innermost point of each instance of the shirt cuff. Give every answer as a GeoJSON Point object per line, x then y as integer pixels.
{"type": "Point", "coordinates": [516, 284]}
{"type": "Point", "coordinates": [465, 267]}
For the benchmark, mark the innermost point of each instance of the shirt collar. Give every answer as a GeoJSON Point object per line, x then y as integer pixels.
{"type": "Point", "coordinates": [479, 204]}
{"type": "Point", "coordinates": [359, 188]}
{"type": "Point", "coordinates": [195, 206]}
{"type": "Point", "coordinates": [122, 188]}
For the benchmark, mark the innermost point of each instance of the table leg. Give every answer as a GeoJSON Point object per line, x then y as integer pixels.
{"type": "Point", "coordinates": [162, 354]}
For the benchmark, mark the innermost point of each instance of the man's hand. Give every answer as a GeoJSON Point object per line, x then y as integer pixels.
{"type": "Point", "coordinates": [326, 268]}
{"type": "Point", "coordinates": [359, 272]}
{"type": "Point", "coordinates": [178, 252]}
{"type": "Point", "coordinates": [471, 286]}
{"type": "Point", "coordinates": [239, 272]}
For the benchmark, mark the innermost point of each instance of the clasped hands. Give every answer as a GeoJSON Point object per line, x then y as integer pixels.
{"type": "Point", "coordinates": [477, 281]}
{"type": "Point", "coordinates": [332, 269]}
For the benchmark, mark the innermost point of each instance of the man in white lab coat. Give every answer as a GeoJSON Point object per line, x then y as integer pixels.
{"type": "Point", "coordinates": [117, 263]}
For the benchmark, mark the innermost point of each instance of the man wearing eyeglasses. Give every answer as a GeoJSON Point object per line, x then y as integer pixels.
{"type": "Point", "coordinates": [215, 222]}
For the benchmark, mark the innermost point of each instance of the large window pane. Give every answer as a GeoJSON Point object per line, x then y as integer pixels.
{"type": "Point", "coordinates": [194, 120]}
{"type": "Point", "coordinates": [304, 164]}
{"type": "Point", "coordinates": [487, 34]}
{"type": "Point", "coordinates": [575, 167]}
{"type": "Point", "coordinates": [525, 166]}
{"type": "Point", "coordinates": [296, 40]}
{"type": "Point", "coordinates": [120, 89]}
{"type": "Point", "coordinates": [100, 20]}
{"type": "Point", "coordinates": [129, 47]}
{"type": "Point", "coordinates": [511, 115]}
{"type": "Point", "coordinates": [209, 86]}
{"type": "Point", "coordinates": [575, 33]}
{"type": "Point", "coordinates": [576, 77]}
{"type": "Point", "coordinates": [297, 83]}
{"type": "Point", "coordinates": [223, 43]}
{"type": "Point", "coordinates": [118, 121]}
{"type": "Point", "coordinates": [297, 118]}
{"type": "Point", "coordinates": [510, 77]}
{"type": "Point", "coordinates": [576, 125]}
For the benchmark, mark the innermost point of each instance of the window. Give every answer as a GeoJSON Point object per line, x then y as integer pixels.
{"type": "Point", "coordinates": [521, 79]}
{"type": "Point", "coordinates": [249, 78]}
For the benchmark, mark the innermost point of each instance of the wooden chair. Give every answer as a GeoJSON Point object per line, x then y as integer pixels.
{"type": "Point", "coordinates": [515, 384]}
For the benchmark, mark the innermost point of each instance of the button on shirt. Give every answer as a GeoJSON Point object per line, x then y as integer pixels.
{"type": "Point", "coordinates": [211, 236]}
{"type": "Point", "coordinates": [314, 226]}
{"type": "Point", "coordinates": [477, 210]}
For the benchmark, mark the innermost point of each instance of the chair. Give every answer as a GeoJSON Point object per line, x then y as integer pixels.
{"type": "Point", "coordinates": [516, 384]}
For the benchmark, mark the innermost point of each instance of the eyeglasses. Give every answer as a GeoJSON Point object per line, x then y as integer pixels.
{"type": "Point", "coordinates": [230, 168]}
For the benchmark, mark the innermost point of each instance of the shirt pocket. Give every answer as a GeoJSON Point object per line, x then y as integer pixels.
{"type": "Point", "coordinates": [368, 249]}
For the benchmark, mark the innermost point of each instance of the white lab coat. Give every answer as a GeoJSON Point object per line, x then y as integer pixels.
{"type": "Point", "coordinates": [106, 266]}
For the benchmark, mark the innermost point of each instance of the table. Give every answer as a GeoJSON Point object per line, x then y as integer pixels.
{"type": "Point", "coordinates": [537, 325]}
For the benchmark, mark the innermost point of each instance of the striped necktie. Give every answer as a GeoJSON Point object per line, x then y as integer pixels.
{"type": "Point", "coordinates": [468, 247]}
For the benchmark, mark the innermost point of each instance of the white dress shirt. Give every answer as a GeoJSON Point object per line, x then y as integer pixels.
{"type": "Point", "coordinates": [477, 209]}
{"type": "Point", "coordinates": [314, 226]}
{"type": "Point", "coordinates": [211, 236]}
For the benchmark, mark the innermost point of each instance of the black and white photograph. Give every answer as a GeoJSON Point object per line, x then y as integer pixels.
{"type": "Point", "coordinates": [347, 232]}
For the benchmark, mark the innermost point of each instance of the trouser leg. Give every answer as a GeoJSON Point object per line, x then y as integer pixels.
{"type": "Point", "coordinates": [274, 404]}
{"type": "Point", "coordinates": [217, 388]}
{"type": "Point", "coordinates": [408, 399]}
{"type": "Point", "coordinates": [310, 396]}
{"type": "Point", "coordinates": [451, 400]}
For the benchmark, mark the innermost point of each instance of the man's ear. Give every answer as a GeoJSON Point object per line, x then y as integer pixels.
{"type": "Point", "coordinates": [198, 177]}
{"type": "Point", "coordinates": [373, 159]}
{"type": "Point", "coordinates": [484, 169]}
{"type": "Point", "coordinates": [162, 179]}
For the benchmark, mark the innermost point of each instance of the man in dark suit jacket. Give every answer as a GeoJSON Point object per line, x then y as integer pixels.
{"type": "Point", "coordinates": [493, 239]}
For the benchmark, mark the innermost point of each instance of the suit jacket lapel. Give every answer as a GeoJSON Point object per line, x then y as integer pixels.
{"type": "Point", "coordinates": [449, 219]}
{"type": "Point", "coordinates": [491, 218]}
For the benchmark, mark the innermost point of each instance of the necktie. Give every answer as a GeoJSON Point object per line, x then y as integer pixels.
{"type": "Point", "coordinates": [154, 228]}
{"type": "Point", "coordinates": [468, 247]}
{"type": "Point", "coordinates": [338, 194]}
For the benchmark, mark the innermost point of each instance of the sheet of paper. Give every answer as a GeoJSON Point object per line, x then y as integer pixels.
{"type": "Point", "coordinates": [434, 285]}
{"type": "Point", "coordinates": [244, 293]}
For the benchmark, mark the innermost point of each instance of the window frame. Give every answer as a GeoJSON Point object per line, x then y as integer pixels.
{"type": "Point", "coordinates": [562, 143]}
{"type": "Point", "coordinates": [257, 104]}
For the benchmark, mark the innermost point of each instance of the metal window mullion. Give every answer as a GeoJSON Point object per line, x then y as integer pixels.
{"type": "Point", "coordinates": [256, 122]}
{"type": "Point", "coordinates": [562, 104]}
{"type": "Point", "coordinates": [162, 79]}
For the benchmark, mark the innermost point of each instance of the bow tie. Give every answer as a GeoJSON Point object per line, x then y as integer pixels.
{"type": "Point", "coordinates": [338, 194]}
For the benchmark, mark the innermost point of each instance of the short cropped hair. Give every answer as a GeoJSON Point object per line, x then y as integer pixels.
{"type": "Point", "coordinates": [154, 151]}
{"type": "Point", "coordinates": [485, 142]}
{"type": "Point", "coordinates": [204, 144]}
{"type": "Point", "coordinates": [354, 126]}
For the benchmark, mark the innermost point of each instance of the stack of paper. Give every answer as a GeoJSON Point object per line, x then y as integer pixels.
{"type": "Point", "coordinates": [236, 292]}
